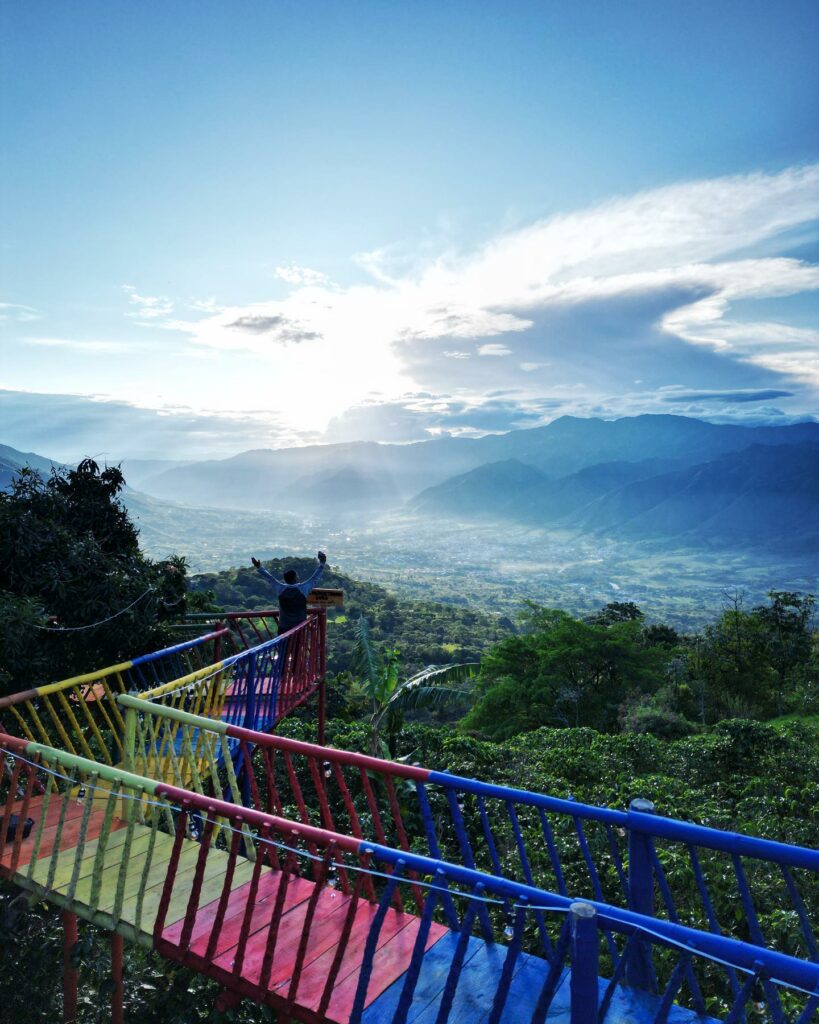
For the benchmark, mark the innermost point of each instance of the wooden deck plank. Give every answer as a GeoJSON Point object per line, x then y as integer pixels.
{"type": "Point", "coordinates": [155, 885]}
{"type": "Point", "coordinates": [390, 963]}
{"type": "Point", "coordinates": [34, 811]}
{"type": "Point", "coordinates": [113, 867]}
{"type": "Point", "coordinates": [324, 934]}
{"type": "Point", "coordinates": [133, 873]}
{"type": "Point", "coordinates": [67, 857]}
{"type": "Point", "coordinates": [298, 891]}
{"type": "Point", "coordinates": [479, 982]}
{"type": "Point", "coordinates": [66, 854]}
{"type": "Point", "coordinates": [237, 901]}
{"type": "Point", "coordinates": [212, 883]}
{"type": "Point", "coordinates": [523, 996]}
{"type": "Point", "coordinates": [430, 985]}
{"type": "Point", "coordinates": [314, 976]}
{"type": "Point", "coordinates": [70, 833]}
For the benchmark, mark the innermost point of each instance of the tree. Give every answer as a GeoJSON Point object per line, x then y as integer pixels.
{"type": "Point", "coordinates": [787, 622]}
{"type": "Point", "coordinates": [77, 592]}
{"type": "Point", "coordinates": [753, 663]}
{"type": "Point", "coordinates": [389, 697]}
{"type": "Point", "coordinates": [728, 668]}
{"type": "Point", "coordinates": [563, 671]}
{"type": "Point", "coordinates": [616, 611]}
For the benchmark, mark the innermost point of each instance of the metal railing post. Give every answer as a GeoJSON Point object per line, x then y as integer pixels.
{"type": "Point", "coordinates": [639, 971]}
{"type": "Point", "coordinates": [250, 696]}
{"type": "Point", "coordinates": [250, 715]}
{"type": "Point", "coordinates": [583, 981]}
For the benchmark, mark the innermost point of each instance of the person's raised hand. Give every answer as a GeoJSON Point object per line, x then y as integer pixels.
{"type": "Point", "coordinates": [322, 557]}
{"type": "Point", "coordinates": [256, 562]}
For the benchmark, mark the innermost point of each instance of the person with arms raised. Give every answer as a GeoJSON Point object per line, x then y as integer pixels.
{"type": "Point", "coordinates": [291, 593]}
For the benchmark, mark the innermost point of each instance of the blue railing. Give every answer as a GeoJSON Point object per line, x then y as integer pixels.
{"type": "Point", "coordinates": [173, 662]}
{"type": "Point", "coordinates": [576, 933]}
{"type": "Point", "coordinates": [675, 873]}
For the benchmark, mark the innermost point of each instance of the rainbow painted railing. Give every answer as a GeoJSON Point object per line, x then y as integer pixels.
{"type": "Point", "coordinates": [254, 687]}
{"type": "Point", "coordinates": [666, 870]}
{"type": "Point", "coordinates": [80, 714]}
{"type": "Point", "coordinates": [336, 887]}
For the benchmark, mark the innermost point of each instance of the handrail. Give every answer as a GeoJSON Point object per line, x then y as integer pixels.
{"type": "Point", "coordinates": [777, 967]}
{"type": "Point", "coordinates": [185, 645]}
{"type": "Point", "coordinates": [101, 673]}
{"type": "Point", "coordinates": [650, 824]}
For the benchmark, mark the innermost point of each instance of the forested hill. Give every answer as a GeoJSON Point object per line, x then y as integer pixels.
{"type": "Point", "coordinates": [425, 632]}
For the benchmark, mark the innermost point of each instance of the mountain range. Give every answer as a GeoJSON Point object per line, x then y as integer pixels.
{"type": "Point", "coordinates": [380, 476]}
{"type": "Point", "coordinates": [670, 480]}
{"type": "Point", "coordinates": [763, 496]}
{"type": "Point", "coordinates": [12, 461]}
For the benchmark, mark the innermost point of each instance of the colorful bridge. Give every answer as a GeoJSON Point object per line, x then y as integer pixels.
{"type": "Point", "coordinates": [336, 887]}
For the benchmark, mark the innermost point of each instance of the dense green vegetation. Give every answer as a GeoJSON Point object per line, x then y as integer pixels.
{"type": "Point", "coordinates": [611, 671]}
{"type": "Point", "coordinates": [69, 556]}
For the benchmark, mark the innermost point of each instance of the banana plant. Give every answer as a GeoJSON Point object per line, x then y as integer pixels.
{"type": "Point", "coordinates": [391, 697]}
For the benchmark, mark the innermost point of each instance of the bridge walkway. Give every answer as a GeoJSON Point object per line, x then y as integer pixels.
{"type": "Point", "coordinates": [340, 888]}
{"type": "Point", "coordinates": [64, 871]}
{"type": "Point", "coordinates": [74, 851]}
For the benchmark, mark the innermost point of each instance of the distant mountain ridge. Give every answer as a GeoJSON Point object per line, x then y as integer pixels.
{"type": "Point", "coordinates": [520, 492]}
{"type": "Point", "coordinates": [392, 474]}
{"type": "Point", "coordinates": [764, 496]}
{"type": "Point", "coordinates": [668, 480]}
{"type": "Point", "coordinates": [12, 461]}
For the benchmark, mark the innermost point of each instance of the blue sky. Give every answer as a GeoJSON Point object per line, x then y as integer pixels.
{"type": "Point", "coordinates": [232, 225]}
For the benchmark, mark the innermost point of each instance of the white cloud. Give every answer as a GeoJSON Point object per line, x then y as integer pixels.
{"type": "Point", "coordinates": [644, 282]}
{"type": "Point", "coordinates": [149, 307]}
{"type": "Point", "coordinates": [18, 313]}
{"type": "Point", "coordinates": [294, 274]}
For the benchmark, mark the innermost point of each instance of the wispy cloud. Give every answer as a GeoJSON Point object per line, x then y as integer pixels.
{"type": "Point", "coordinates": [21, 314]}
{"type": "Point", "coordinates": [494, 349]}
{"type": "Point", "coordinates": [68, 427]}
{"type": "Point", "coordinates": [677, 395]}
{"type": "Point", "coordinates": [294, 274]}
{"type": "Point", "coordinates": [149, 307]}
{"type": "Point", "coordinates": [76, 345]}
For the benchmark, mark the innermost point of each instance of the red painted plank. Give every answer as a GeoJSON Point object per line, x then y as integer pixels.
{"type": "Point", "coordinates": [389, 963]}
{"type": "Point", "coordinates": [314, 976]}
{"type": "Point", "coordinates": [298, 891]}
{"type": "Point", "coordinates": [324, 932]}
{"type": "Point", "coordinates": [34, 811]}
{"type": "Point", "coordinates": [70, 833]}
{"type": "Point", "coordinates": [392, 958]}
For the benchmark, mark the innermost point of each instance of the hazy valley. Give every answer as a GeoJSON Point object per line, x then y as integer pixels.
{"type": "Point", "coordinates": [669, 512]}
